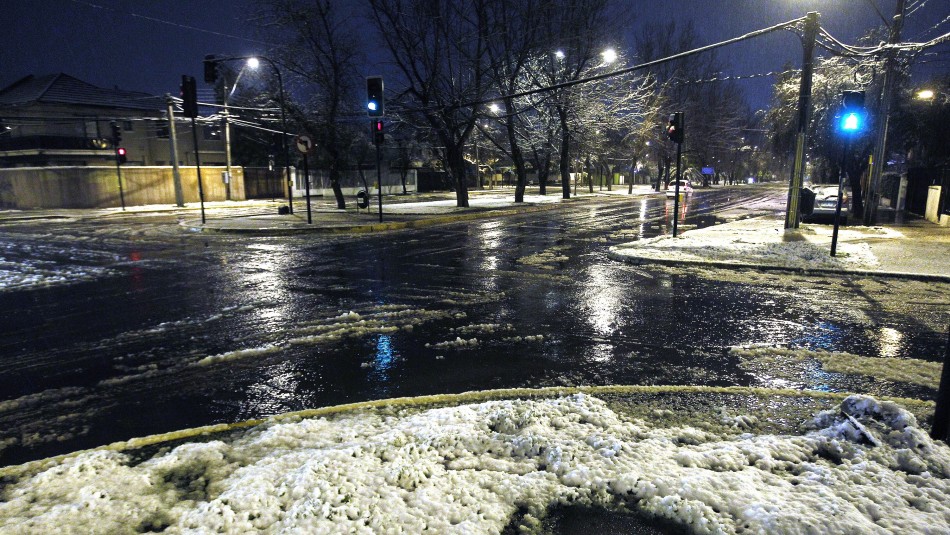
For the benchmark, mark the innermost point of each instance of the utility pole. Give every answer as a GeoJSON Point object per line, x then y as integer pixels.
{"type": "Point", "coordinates": [227, 143]}
{"type": "Point", "coordinates": [879, 159]}
{"type": "Point", "coordinates": [173, 138]}
{"type": "Point", "coordinates": [792, 212]}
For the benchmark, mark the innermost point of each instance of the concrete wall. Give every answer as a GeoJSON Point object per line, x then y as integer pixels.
{"type": "Point", "coordinates": [933, 213]}
{"type": "Point", "coordinates": [98, 187]}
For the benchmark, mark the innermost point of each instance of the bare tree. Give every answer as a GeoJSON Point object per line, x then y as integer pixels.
{"type": "Point", "coordinates": [515, 32]}
{"type": "Point", "coordinates": [439, 49]}
{"type": "Point", "coordinates": [322, 50]}
{"type": "Point", "coordinates": [715, 112]}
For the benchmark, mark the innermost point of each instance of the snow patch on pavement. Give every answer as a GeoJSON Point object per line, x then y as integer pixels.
{"type": "Point", "coordinates": [762, 242]}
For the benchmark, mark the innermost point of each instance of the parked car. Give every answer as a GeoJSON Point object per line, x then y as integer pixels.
{"type": "Point", "coordinates": [685, 188]}
{"type": "Point", "coordinates": [825, 201]}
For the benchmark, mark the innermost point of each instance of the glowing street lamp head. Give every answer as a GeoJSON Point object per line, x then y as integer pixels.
{"type": "Point", "coordinates": [609, 55]}
{"type": "Point", "coordinates": [925, 94]}
{"type": "Point", "coordinates": [494, 108]}
{"type": "Point", "coordinates": [559, 54]}
{"type": "Point", "coordinates": [253, 63]}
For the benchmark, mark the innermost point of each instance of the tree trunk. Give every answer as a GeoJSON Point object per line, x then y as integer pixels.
{"type": "Point", "coordinates": [456, 162]}
{"type": "Point", "coordinates": [517, 157]}
{"type": "Point", "coordinates": [633, 173]}
{"type": "Point", "coordinates": [590, 175]}
{"type": "Point", "coordinates": [337, 190]}
{"type": "Point", "coordinates": [565, 153]}
{"type": "Point", "coordinates": [543, 168]}
{"type": "Point", "coordinates": [334, 173]}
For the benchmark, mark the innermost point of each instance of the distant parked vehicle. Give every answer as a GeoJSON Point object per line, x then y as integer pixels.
{"type": "Point", "coordinates": [826, 199]}
{"type": "Point", "coordinates": [685, 188]}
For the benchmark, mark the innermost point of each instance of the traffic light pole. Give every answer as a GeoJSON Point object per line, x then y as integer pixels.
{"type": "Point", "coordinates": [306, 174]}
{"type": "Point", "coordinates": [201, 192]}
{"type": "Point", "coordinates": [379, 178]}
{"type": "Point", "coordinates": [118, 172]}
{"type": "Point", "coordinates": [841, 174]}
{"type": "Point", "coordinates": [676, 198]}
{"type": "Point", "coordinates": [804, 105]}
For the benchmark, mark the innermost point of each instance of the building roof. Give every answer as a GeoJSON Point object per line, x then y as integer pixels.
{"type": "Point", "coordinates": [65, 89]}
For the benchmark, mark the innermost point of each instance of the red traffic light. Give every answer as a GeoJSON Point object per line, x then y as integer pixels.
{"type": "Point", "coordinates": [121, 151]}
{"type": "Point", "coordinates": [676, 129]}
{"type": "Point", "coordinates": [120, 155]}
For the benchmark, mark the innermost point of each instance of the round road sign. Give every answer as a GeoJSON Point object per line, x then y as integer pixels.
{"type": "Point", "coordinates": [304, 143]}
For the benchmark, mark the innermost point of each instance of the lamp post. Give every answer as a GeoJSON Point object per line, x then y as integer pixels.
{"type": "Point", "coordinates": [227, 127]}
{"type": "Point", "coordinates": [253, 62]}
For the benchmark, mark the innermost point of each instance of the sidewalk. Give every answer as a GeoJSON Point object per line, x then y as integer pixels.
{"type": "Point", "coordinates": [399, 212]}
{"type": "Point", "coordinates": [916, 250]}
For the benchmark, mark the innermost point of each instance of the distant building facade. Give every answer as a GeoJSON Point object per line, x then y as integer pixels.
{"type": "Point", "coordinates": [59, 120]}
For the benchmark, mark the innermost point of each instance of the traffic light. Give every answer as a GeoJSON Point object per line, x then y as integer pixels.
{"type": "Point", "coordinates": [378, 135]}
{"type": "Point", "coordinates": [120, 155]}
{"type": "Point", "coordinates": [211, 69]}
{"type": "Point", "coordinates": [852, 115]}
{"type": "Point", "coordinates": [116, 133]}
{"type": "Point", "coordinates": [189, 96]}
{"type": "Point", "coordinates": [676, 129]}
{"type": "Point", "coordinates": [375, 103]}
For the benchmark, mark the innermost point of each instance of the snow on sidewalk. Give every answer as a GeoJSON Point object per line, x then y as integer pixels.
{"type": "Point", "coordinates": [865, 467]}
{"type": "Point", "coordinates": [761, 242]}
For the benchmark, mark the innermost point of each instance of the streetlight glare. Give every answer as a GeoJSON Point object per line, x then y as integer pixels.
{"type": "Point", "coordinates": [609, 55]}
{"type": "Point", "coordinates": [494, 108]}
{"type": "Point", "coordinates": [253, 63]}
{"type": "Point", "coordinates": [925, 94]}
{"type": "Point", "coordinates": [559, 54]}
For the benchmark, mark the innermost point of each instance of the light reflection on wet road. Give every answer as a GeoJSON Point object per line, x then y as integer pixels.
{"type": "Point", "coordinates": [196, 330]}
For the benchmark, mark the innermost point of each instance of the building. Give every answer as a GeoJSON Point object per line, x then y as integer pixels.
{"type": "Point", "coordinates": [59, 120]}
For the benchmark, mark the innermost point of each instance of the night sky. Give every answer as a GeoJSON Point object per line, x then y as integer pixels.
{"type": "Point", "coordinates": [147, 45]}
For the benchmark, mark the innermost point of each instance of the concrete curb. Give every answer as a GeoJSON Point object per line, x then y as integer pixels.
{"type": "Point", "coordinates": [641, 260]}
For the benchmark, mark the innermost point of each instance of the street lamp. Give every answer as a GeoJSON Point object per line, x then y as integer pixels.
{"type": "Point", "coordinates": [609, 56]}
{"type": "Point", "coordinates": [253, 62]}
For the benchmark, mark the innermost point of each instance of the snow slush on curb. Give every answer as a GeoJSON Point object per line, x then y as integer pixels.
{"type": "Point", "coordinates": [863, 467]}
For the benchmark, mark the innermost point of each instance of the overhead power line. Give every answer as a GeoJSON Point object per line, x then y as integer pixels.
{"type": "Point", "coordinates": [641, 66]}
{"type": "Point", "coordinates": [169, 23]}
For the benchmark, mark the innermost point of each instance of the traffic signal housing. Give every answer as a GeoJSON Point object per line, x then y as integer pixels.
{"type": "Point", "coordinates": [211, 69]}
{"type": "Point", "coordinates": [116, 133]}
{"type": "Point", "coordinates": [120, 155]}
{"type": "Point", "coordinates": [675, 130]}
{"type": "Point", "coordinates": [852, 117]}
{"type": "Point", "coordinates": [378, 134]}
{"type": "Point", "coordinates": [189, 96]}
{"type": "Point", "coordinates": [375, 102]}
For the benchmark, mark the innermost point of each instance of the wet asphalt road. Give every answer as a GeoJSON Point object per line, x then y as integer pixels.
{"type": "Point", "coordinates": [158, 329]}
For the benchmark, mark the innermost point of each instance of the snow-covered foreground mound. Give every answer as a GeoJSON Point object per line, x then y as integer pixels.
{"type": "Point", "coordinates": [866, 468]}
